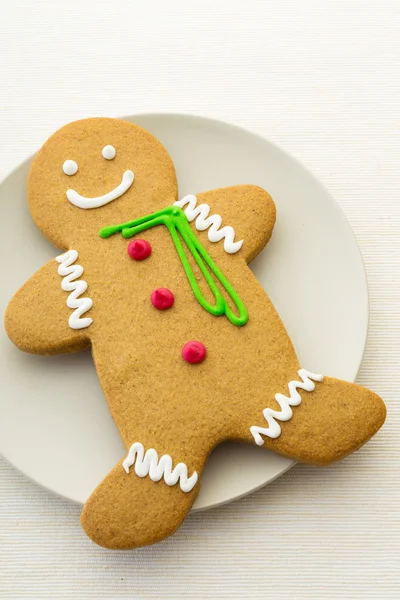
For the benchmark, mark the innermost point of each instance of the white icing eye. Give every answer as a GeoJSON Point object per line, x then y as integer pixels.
{"type": "Point", "coordinates": [70, 167]}
{"type": "Point", "coordinates": [108, 152]}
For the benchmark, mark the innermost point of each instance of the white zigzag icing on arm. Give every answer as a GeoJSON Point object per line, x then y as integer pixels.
{"type": "Point", "coordinates": [274, 429]}
{"type": "Point", "coordinates": [69, 284]}
{"type": "Point", "coordinates": [213, 223]}
{"type": "Point", "coordinates": [148, 464]}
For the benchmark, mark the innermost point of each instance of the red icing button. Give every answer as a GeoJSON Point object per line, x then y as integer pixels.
{"type": "Point", "coordinates": [194, 352]}
{"type": "Point", "coordinates": [162, 298]}
{"type": "Point", "coordinates": [139, 249]}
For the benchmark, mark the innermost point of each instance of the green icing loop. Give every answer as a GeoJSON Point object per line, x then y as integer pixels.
{"type": "Point", "coordinates": [176, 221]}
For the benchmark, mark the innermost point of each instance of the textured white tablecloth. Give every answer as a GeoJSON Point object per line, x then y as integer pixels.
{"type": "Point", "coordinates": [320, 78]}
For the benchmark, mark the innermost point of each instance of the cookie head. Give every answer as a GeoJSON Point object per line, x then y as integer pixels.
{"type": "Point", "coordinates": [96, 171]}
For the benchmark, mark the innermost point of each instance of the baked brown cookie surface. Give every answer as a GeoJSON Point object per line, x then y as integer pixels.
{"type": "Point", "coordinates": [188, 348]}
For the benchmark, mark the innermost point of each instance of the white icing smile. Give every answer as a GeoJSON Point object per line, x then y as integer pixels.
{"type": "Point", "coordinates": [84, 202]}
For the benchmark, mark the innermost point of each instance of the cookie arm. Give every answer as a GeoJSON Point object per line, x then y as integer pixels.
{"type": "Point", "coordinates": [37, 317]}
{"type": "Point", "coordinates": [230, 215]}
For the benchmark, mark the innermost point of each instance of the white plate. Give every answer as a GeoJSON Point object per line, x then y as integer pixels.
{"type": "Point", "coordinates": [64, 438]}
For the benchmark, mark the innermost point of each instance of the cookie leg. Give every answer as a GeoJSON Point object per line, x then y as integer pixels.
{"type": "Point", "coordinates": [144, 499]}
{"type": "Point", "coordinates": [318, 422]}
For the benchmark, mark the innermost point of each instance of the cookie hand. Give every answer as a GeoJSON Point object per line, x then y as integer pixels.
{"type": "Point", "coordinates": [240, 219]}
{"type": "Point", "coordinates": [37, 317]}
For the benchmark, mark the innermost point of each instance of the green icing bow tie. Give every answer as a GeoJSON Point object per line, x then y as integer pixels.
{"type": "Point", "coordinates": [178, 226]}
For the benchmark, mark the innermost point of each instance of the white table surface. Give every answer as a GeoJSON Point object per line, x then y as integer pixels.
{"type": "Point", "coordinates": [320, 78]}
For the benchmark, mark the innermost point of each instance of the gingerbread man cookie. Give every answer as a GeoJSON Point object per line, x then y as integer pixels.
{"type": "Point", "coordinates": [188, 348]}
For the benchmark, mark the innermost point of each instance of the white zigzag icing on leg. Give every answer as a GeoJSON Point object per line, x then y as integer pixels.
{"type": "Point", "coordinates": [148, 464]}
{"type": "Point", "coordinates": [274, 429]}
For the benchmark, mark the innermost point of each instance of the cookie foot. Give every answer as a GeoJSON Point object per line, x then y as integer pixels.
{"type": "Point", "coordinates": [332, 419]}
{"type": "Point", "coordinates": [127, 511]}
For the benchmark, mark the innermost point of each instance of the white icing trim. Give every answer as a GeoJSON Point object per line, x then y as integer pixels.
{"type": "Point", "coordinates": [213, 222]}
{"type": "Point", "coordinates": [148, 464]}
{"type": "Point", "coordinates": [84, 202]}
{"type": "Point", "coordinates": [68, 284]}
{"type": "Point", "coordinates": [274, 430]}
